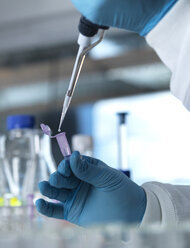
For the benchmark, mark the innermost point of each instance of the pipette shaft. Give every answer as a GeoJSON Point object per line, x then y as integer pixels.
{"type": "Point", "coordinates": [87, 30]}
{"type": "Point", "coordinates": [74, 78]}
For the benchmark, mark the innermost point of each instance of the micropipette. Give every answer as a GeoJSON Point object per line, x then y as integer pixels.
{"type": "Point", "coordinates": [87, 30]}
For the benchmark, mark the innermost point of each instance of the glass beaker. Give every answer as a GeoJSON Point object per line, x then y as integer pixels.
{"type": "Point", "coordinates": [43, 163]}
{"type": "Point", "coordinates": [28, 158]}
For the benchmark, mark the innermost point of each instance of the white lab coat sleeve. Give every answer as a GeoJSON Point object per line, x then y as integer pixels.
{"type": "Point", "coordinates": [166, 204]}
{"type": "Point", "coordinates": [170, 38]}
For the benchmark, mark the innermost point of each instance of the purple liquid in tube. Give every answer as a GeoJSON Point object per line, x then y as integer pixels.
{"type": "Point", "coordinates": [61, 140]}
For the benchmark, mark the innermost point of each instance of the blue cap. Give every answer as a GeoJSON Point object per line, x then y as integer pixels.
{"type": "Point", "coordinates": [20, 121]}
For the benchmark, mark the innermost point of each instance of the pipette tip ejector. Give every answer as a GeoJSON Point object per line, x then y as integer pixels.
{"type": "Point", "coordinates": [87, 30]}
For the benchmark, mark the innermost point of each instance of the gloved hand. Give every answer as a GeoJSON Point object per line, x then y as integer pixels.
{"type": "Point", "coordinates": [135, 15]}
{"type": "Point", "coordinates": [91, 192]}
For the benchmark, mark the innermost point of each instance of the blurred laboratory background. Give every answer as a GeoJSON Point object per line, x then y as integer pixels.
{"type": "Point", "coordinates": [38, 47]}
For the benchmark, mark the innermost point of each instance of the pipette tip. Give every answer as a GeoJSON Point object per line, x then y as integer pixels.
{"type": "Point", "coordinates": [60, 123]}
{"type": "Point", "coordinates": [62, 118]}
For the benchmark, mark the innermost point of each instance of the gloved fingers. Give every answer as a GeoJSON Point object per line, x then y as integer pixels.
{"type": "Point", "coordinates": [64, 168]}
{"type": "Point", "coordinates": [50, 209]}
{"type": "Point", "coordinates": [58, 181]}
{"type": "Point", "coordinates": [53, 193]}
{"type": "Point", "coordinates": [90, 170]}
{"type": "Point", "coordinates": [91, 160]}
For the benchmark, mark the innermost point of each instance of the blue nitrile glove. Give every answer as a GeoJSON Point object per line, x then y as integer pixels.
{"type": "Point", "coordinates": [135, 15]}
{"type": "Point", "coordinates": [91, 192]}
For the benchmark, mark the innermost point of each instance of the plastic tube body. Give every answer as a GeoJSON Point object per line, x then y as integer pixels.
{"type": "Point", "coordinates": [63, 144]}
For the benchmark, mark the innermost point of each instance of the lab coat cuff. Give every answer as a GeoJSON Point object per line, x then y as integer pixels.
{"type": "Point", "coordinates": [152, 213]}
{"type": "Point", "coordinates": [160, 204]}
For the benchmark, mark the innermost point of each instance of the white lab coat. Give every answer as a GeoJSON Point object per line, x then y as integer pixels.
{"type": "Point", "coordinates": [169, 204]}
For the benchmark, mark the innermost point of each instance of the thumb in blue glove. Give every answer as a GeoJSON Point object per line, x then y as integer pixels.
{"type": "Point", "coordinates": [135, 15]}
{"type": "Point", "coordinates": [91, 192]}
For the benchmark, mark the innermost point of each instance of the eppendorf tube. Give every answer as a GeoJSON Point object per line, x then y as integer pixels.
{"type": "Point", "coordinates": [122, 144]}
{"type": "Point", "coordinates": [63, 144]}
{"type": "Point", "coordinates": [61, 140]}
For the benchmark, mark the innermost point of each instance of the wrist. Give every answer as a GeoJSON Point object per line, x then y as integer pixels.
{"type": "Point", "coordinates": [142, 206]}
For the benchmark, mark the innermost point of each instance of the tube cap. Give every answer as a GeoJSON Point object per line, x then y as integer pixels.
{"type": "Point", "coordinates": [122, 117]}
{"type": "Point", "coordinates": [20, 121]}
